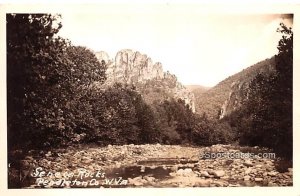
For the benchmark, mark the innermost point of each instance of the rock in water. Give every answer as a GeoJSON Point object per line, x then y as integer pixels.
{"type": "Point", "coordinates": [174, 168]}
{"type": "Point", "coordinates": [149, 178]}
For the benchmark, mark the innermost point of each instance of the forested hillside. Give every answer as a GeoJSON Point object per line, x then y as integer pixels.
{"type": "Point", "coordinates": [212, 100]}
{"type": "Point", "coordinates": [197, 90]}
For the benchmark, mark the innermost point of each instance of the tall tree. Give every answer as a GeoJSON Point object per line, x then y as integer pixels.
{"type": "Point", "coordinates": [30, 42]}
{"type": "Point", "coordinates": [47, 79]}
{"type": "Point", "coordinates": [269, 107]}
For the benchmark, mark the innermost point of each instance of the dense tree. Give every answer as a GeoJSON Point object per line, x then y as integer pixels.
{"type": "Point", "coordinates": [268, 110]}
{"type": "Point", "coordinates": [119, 115]}
{"type": "Point", "coordinates": [177, 124]}
{"type": "Point", "coordinates": [30, 45]}
{"type": "Point", "coordinates": [45, 76]}
{"type": "Point", "coordinates": [176, 119]}
{"type": "Point", "coordinates": [208, 132]}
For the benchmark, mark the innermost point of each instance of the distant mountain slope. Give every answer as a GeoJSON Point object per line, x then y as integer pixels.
{"type": "Point", "coordinates": [215, 101]}
{"type": "Point", "coordinates": [197, 90]}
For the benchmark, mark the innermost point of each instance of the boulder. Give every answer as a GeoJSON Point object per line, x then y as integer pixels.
{"type": "Point", "coordinates": [204, 174]}
{"type": "Point", "coordinates": [137, 181]}
{"type": "Point", "coordinates": [218, 173]}
{"type": "Point", "coordinates": [185, 172]}
{"type": "Point", "coordinates": [247, 178]}
{"type": "Point", "coordinates": [272, 173]}
{"type": "Point", "coordinates": [149, 178]}
{"type": "Point", "coordinates": [248, 171]}
{"type": "Point", "coordinates": [258, 179]}
{"type": "Point", "coordinates": [248, 163]}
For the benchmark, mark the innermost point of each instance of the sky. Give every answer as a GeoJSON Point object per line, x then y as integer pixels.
{"type": "Point", "coordinates": [198, 47]}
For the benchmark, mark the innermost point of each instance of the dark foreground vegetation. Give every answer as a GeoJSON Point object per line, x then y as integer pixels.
{"type": "Point", "coordinates": [56, 98]}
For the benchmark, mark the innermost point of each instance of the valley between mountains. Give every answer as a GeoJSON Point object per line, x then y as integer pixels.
{"type": "Point", "coordinates": [157, 165]}
{"type": "Point", "coordinates": [83, 119]}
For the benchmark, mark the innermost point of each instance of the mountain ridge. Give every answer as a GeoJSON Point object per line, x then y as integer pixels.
{"type": "Point", "coordinates": [134, 68]}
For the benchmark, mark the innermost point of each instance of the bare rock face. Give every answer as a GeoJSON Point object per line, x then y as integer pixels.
{"type": "Point", "coordinates": [132, 67]}
{"type": "Point", "coordinates": [102, 55]}
{"type": "Point", "coordinates": [183, 93]}
{"type": "Point", "coordinates": [238, 93]}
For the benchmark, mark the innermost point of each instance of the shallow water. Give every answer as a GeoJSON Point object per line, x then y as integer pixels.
{"type": "Point", "coordinates": [160, 169]}
{"type": "Point", "coordinates": [135, 171]}
{"type": "Point", "coordinates": [166, 161]}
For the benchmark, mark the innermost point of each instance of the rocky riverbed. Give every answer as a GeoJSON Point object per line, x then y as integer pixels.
{"type": "Point", "coordinates": [148, 166]}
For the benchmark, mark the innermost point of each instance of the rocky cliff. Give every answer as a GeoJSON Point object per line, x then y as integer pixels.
{"type": "Point", "coordinates": [132, 67]}
{"type": "Point", "coordinates": [102, 55]}
{"type": "Point", "coordinates": [237, 94]}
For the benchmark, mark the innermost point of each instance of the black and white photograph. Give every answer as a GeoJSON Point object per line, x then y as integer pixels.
{"type": "Point", "coordinates": [149, 96]}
